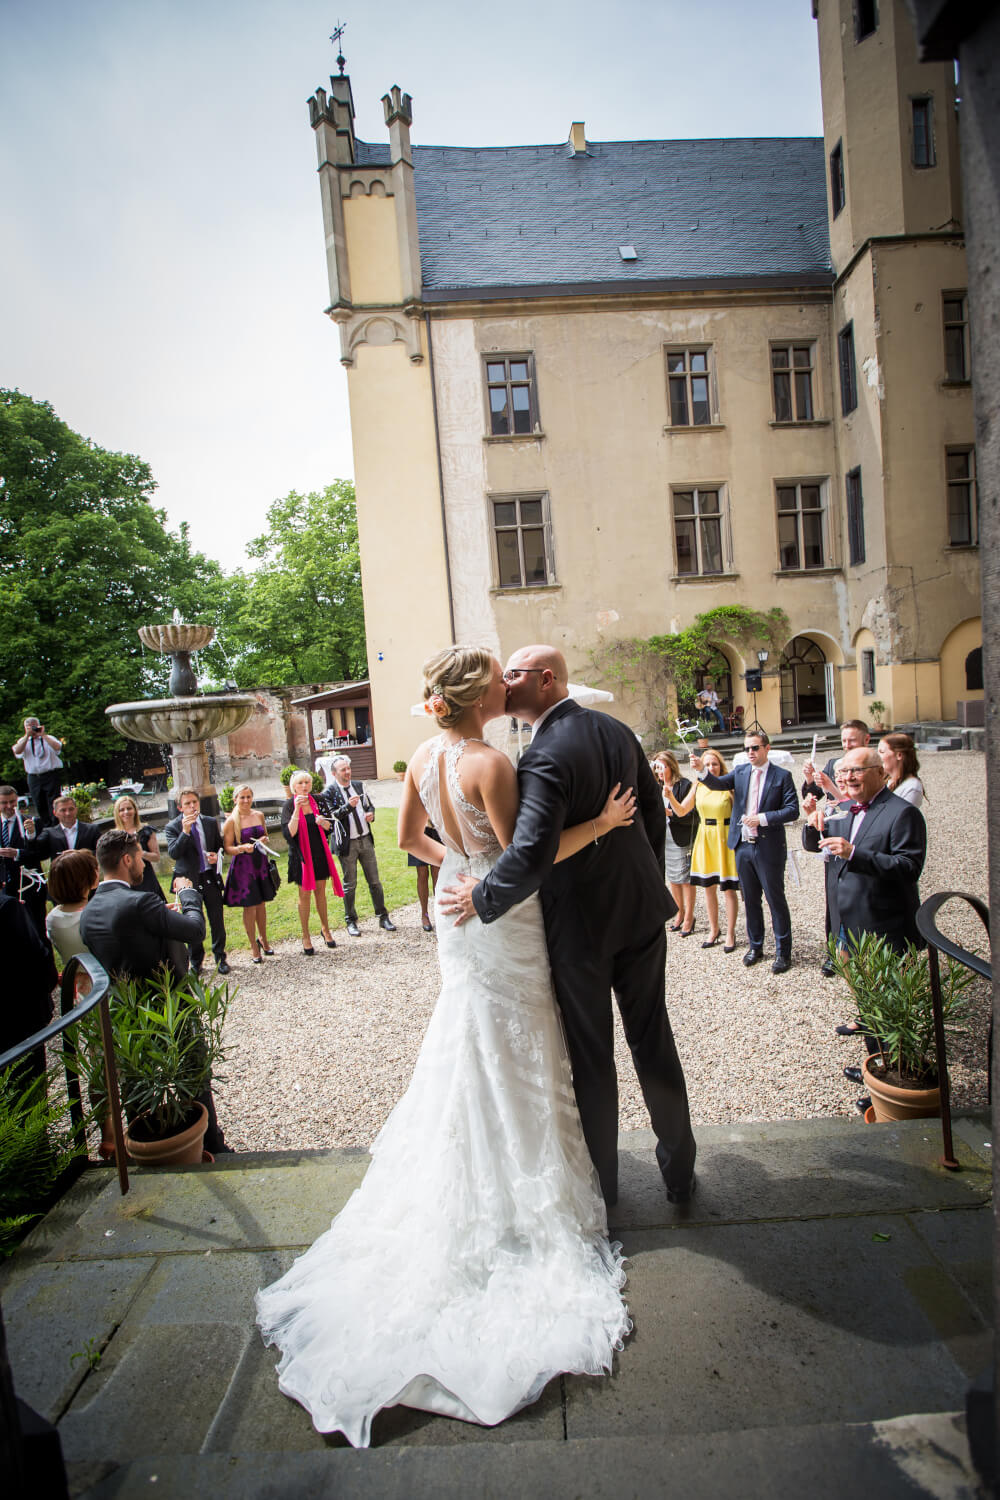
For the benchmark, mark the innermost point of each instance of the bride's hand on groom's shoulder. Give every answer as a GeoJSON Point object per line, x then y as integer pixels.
{"type": "Point", "coordinates": [456, 900]}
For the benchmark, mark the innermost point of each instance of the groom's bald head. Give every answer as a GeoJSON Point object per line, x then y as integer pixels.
{"type": "Point", "coordinates": [539, 680]}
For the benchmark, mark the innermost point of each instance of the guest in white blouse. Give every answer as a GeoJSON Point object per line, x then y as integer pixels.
{"type": "Point", "coordinates": [73, 875]}
{"type": "Point", "coordinates": [898, 755]}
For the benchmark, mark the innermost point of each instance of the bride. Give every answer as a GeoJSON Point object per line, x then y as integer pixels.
{"type": "Point", "coordinates": [473, 1263]}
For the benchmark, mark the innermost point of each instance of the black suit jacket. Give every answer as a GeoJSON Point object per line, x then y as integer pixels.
{"type": "Point", "coordinates": [610, 893]}
{"type": "Point", "coordinates": [131, 931]}
{"type": "Point", "coordinates": [27, 855]}
{"type": "Point", "coordinates": [52, 840]}
{"type": "Point", "coordinates": [876, 889]}
{"type": "Point", "coordinates": [29, 975]}
{"type": "Point", "coordinates": [777, 800]}
{"type": "Point", "coordinates": [333, 801]}
{"type": "Point", "coordinates": [183, 851]}
{"type": "Point", "coordinates": [813, 788]}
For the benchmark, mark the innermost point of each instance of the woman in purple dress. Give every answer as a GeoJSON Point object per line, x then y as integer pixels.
{"type": "Point", "coordinates": [248, 883]}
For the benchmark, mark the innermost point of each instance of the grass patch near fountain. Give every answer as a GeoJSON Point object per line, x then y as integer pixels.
{"type": "Point", "coordinates": [398, 880]}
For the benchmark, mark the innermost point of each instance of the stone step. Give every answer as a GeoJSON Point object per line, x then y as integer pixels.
{"type": "Point", "coordinates": [906, 1457]}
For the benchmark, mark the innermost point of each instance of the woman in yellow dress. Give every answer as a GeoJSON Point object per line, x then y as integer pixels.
{"type": "Point", "coordinates": [713, 863]}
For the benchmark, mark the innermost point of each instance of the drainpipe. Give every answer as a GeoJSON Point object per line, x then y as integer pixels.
{"type": "Point", "coordinates": [437, 449]}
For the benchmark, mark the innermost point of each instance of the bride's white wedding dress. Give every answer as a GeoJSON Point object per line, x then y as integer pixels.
{"type": "Point", "coordinates": [473, 1263]}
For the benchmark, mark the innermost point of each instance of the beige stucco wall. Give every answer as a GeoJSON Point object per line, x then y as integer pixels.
{"type": "Point", "coordinates": [963, 639]}
{"type": "Point", "coordinates": [400, 537]}
{"type": "Point", "coordinates": [372, 250]}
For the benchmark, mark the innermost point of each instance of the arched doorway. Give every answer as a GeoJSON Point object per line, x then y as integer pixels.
{"type": "Point", "coordinates": [716, 670]}
{"type": "Point", "coordinates": [806, 690]}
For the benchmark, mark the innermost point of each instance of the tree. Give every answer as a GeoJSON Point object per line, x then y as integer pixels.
{"type": "Point", "coordinates": [300, 616]}
{"type": "Point", "coordinates": [85, 559]}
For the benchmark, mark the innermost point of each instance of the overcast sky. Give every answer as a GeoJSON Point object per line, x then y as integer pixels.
{"type": "Point", "coordinates": [163, 274]}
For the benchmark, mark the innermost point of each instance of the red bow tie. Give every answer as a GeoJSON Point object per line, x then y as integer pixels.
{"type": "Point", "coordinates": [859, 807]}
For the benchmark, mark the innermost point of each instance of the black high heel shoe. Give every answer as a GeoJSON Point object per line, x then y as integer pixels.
{"type": "Point", "coordinates": [268, 952]}
{"type": "Point", "coordinates": [328, 940]}
{"type": "Point", "coordinates": [258, 959]}
{"type": "Point", "coordinates": [309, 952]}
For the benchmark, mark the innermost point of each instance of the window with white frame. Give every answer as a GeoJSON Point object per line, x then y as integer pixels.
{"type": "Point", "coordinates": [689, 381]}
{"type": "Point", "coordinates": [801, 542]}
{"type": "Point", "coordinates": [700, 531]}
{"type": "Point", "coordinates": [522, 538]}
{"type": "Point", "coordinates": [792, 382]}
{"type": "Point", "coordinates": [963, 507]}
{"type": "Point", "coordinates": [868, 674]}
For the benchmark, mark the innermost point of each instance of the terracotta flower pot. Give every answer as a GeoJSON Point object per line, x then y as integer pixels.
{"type": "Point", "coordinates": [892, 1103]}
{"type": "Point", "coordinates": [181, 1150]}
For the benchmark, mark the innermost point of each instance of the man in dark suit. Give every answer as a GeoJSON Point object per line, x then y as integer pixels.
{"type": "Point", "coordinates": [17, 852]}
{"type": "Point", "coordinates": [879, 848]}
{"type": "Point", "coordinates": [351, 807]}
{"type": "Point", "coordinates": [854, 735]}
{"type": "Point", "coordinates": [194, 843]}
{"type": "Point", "coordinates": [764, 801]}
{"type": "Point", "coordinates": [67, 832]}
{"type": "Point", "coordinates": [604, 911]}
{"type": "Point", "coordinates": [132, 932]}
{"type": "Point", "coordinates": [876, 854]}
{"type": "Point", "coordinates": [29, 978]}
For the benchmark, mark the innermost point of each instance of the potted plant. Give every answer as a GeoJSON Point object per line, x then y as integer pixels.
{"type": "Point", "coordinates": [37, 1152]}
{"type": "Point", "coordinates": [168, 1041]}
{"type": "Point", "coordinates": [893, 1002]}
{"type": "Point", "coordinates": [287, 772]}
{"type": "Point", "coordinates": [399, 766]}
{"type": "Point", "coordinates": [227, 797]}
{"type": "Point", "coordinates": [877, 710]}
{"type": "Point", "coordinates": [318, 783]}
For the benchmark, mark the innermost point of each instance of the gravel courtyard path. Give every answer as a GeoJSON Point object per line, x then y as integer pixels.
{"type": "Point", "coordinates": [324, 1047]}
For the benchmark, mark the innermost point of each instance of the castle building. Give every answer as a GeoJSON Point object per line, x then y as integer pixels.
{"type": "Point", "coordinates": [598, 388]}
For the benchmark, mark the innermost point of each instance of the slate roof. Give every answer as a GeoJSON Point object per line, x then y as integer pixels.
{"type": "Point", "coordinates": [492, 219]}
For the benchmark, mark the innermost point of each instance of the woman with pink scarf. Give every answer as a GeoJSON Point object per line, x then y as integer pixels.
{"type": "Point", "coordinates": [310, 860]}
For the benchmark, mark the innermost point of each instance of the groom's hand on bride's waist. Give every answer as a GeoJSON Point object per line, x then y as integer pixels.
{"type": "Point", "coordinates": [456, 900]}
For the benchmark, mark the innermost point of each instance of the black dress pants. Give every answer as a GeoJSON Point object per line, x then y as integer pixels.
{"type": "Point", "coordinates": [211, 894]}
{"type": "Point", "coordinates": [43, 788]}
{"type": "Point", "coordinates": [763, 875]}
{"type": "Point", "coordinates": [583, 984]}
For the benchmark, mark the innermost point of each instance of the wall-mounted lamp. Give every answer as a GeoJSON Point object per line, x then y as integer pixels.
{"type": "Point", "coordinates": [762, 657]}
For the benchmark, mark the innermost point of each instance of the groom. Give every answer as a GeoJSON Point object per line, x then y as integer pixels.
{"type": "Point", "coordinates": [604, 909]}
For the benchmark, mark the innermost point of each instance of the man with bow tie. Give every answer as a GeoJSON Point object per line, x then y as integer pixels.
{"type": "Point", "coordinates": [194, 843]}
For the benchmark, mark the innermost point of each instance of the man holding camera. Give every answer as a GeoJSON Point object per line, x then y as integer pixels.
{"type": "Point", "coordinates": [40, 753]}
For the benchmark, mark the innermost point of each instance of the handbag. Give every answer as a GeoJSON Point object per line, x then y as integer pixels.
{"type": "Point", "coordinates": [274, 874]}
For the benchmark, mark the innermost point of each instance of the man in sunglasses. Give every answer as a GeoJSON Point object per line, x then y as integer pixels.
{"type": "Point", "coordinates": [604, 910]}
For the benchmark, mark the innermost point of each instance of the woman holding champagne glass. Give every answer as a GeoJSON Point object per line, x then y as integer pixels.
{"type": "Point", "coordinates": [310, 860]}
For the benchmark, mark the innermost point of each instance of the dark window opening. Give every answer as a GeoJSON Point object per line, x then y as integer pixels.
{"type": "Point", "coordinates": [963, 518]}
{"type": "Point", "coordinates": [855, 518]}
{"type": "Point", "coordinates": [865, 18]}
{"type": "Point", "coordinates": [848, 372]}
{"type": "Point", "coordinates": [837, 191]}
{"type": "Point", "coordinates": [524, 552]}
{"type": "Point", "coordinates": [800, 526]}
{"type": "Point", "coordinates": [955, 306]}
{"type": "Point", "coordinates": [689, 379]}
{"type": "Point", "coordinates": [974, 670]}
{"type": "Point", "coordinates": [868, 674]}
{"type": "Point", "coordinates": [510, 394]}
{"type": "Point", "coordinates": [792, 382]}
{"type": "Point", "coordinates": [923, 132]}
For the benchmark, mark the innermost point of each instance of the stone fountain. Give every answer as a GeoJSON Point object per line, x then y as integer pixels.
{"type": "Point", "coordinates": [188, 719]}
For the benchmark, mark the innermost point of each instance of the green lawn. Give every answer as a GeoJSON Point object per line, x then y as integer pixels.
{"type": "Point", "coordinates": [398, 880]}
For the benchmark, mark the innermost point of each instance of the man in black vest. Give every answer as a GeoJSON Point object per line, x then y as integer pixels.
{"type": "Point", "coordinates": [604, 911]}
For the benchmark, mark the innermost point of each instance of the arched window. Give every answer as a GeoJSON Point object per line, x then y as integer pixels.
{"type": "Point", "coordinates": [804, 697]}
{"type": "Point", "coordinates": [715, 669]}
{"type": "Point", "coordinates": [974, 670]}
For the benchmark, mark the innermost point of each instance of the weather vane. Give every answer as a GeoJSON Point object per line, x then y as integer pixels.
{"type": "Point", "coordinates": [338, 32]}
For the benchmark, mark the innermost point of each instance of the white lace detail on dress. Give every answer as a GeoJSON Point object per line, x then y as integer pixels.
{"type": "Point", "coordinates": [478, 838]}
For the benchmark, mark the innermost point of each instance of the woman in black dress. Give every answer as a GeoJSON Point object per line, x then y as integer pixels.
{"type": "Point", "coordinates": [310, 861]}
{"type": "Point", "coordinates": [248, 883]}
{"type": "Point", "coordinates": [127, 819]}
{"type": "Point", "coordinates": [425, 873]}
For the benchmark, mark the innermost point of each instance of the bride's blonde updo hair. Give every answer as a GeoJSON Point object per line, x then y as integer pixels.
{"type": "Point", "coordinates": [454, 680]}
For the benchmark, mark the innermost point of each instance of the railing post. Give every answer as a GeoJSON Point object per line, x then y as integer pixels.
{"type": "Point", "coordinates": [948, 1159]}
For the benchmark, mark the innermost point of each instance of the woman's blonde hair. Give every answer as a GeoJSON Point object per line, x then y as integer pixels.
{"type": "Point", "coordinates": [234, 815]}
{"type": "Point", "coordinates": [454, 680]}
{"type": "Point", "coordinates": [299, 776]}
{"type": "Point", "coordinates": [135, 808]}
{"type": "Point", "coordinates": [671, 760]}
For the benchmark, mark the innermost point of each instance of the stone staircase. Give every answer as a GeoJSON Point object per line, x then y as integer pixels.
{"type": "Point", "coordinates": [828, 1282]}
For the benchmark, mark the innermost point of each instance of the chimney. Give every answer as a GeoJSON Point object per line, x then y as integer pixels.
{"type": "Point", "coordinates": [578, 138]}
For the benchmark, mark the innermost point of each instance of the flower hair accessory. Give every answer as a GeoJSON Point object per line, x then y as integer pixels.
{"type": "Point", "coordinates": [436, 702]}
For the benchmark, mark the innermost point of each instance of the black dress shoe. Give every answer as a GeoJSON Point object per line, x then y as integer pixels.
{"type": "Point", "coordinates": [854, 1074]}
{"type": "Point", "coordinates": [224, 1150]}
{"type": "Point", "coordinates": [752, 956]}
{"type": "Point", "coordinates": [353, 930]}
{"type": "Point", "coordinates": [847, 1028]}
{"type": "Point", "coordinates": [222, 967]}
{"type": "Point", "coordinates": [827, 970]}
{"type": "Point", "coordinates": [385, 923]}
{"type": "Point", "coordinates": [682, 1194]}
{"type": "Point", "coordinates": [863, 1104]}
{"type": "Point", "coordinates": [782, 964]}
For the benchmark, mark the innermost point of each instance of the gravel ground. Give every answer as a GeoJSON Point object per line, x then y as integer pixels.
{"type": "Point", "coordinates": [323, 1048]}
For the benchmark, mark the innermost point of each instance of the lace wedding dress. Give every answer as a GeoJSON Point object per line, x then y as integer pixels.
{"type": "Point", "coordinates": [473, 1263]}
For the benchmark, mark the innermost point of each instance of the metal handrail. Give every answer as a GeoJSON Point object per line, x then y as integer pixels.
{"type": "Point", "coordinates": [936, 941]}
{"type": "Point", "coordinates": [73, 1009]}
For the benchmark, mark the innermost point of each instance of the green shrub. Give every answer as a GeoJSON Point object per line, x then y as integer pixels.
{"type": "Point", "coordinates": [36, 1147]}
{"type": "Point", "coordinates": [287, 772]}
{"type": "Point", "coordinates": [399, 766]}
{"type": "Point", "coordinates": [227, 797]}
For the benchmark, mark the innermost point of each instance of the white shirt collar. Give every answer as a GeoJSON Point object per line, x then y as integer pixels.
{"type": "Point", "coordinates": [543, 716]}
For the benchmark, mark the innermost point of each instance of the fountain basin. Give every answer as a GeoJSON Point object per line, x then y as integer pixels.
{"type": "Point", "coordinates": [181, 721]}
{"type": "Point", "coordinates": [176, 637]}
